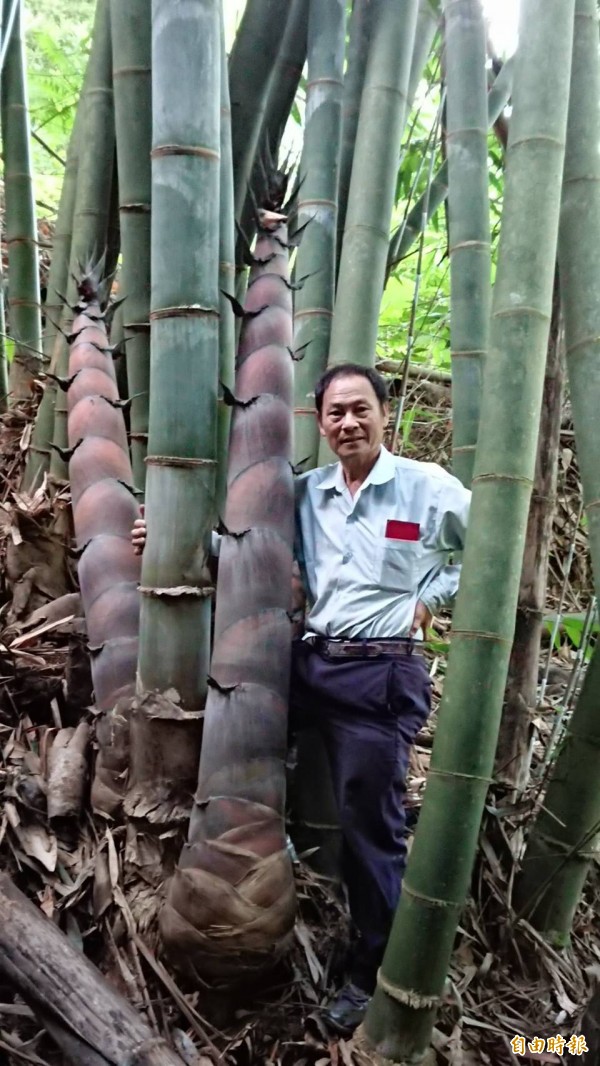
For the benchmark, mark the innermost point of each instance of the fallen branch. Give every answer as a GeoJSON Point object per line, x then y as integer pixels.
{"type": "Point", "coordinates": [88, 1019]}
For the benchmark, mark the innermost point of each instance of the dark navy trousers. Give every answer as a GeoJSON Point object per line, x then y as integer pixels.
{"type": "Point", "coordinates": [369, 712]}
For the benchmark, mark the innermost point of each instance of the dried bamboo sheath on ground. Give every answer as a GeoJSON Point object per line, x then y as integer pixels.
{"type": "Point", "coordinates": [231, 903]}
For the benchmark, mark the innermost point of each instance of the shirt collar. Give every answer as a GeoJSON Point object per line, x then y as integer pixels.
{"type": "Point", "coordinates": [383, 471]}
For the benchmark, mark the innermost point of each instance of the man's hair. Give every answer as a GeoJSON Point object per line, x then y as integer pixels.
{"type": "Point", "coordinates": [347, 370]}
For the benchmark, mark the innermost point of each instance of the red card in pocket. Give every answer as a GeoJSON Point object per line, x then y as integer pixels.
{"type": "Point", "coordinates": [402, 530]}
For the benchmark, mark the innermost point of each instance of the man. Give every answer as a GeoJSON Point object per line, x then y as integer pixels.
{"type": "Point", "coordinates": [373, 535]}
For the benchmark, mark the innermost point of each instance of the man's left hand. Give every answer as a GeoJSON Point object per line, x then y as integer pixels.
{"type": "Point", "coordinates": [422, 620]}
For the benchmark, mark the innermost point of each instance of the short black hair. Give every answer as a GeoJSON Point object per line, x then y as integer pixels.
{"type": "Point", "coordinates": [346, 370]}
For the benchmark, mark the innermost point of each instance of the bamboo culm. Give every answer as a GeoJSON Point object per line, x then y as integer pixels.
{"type": "Point", "coordinates": [57, 284]}
{"type": "Point", "coordinates": [24, 313]}
{"type": "Point", "coordinates": [468, 222]}
{"type": "Point", "coordinates": [317, 206]}
{"type": "Point", "coordinates": [227, 329]}
{"type": "Point", "coordinates": [132, 89]}
{"type": "Point", "coordinates": [92, 200]}
{"type": "Point", "coordinates": [580, 270]}
{"type": "Point", "coordinates": [182, 449]}
{"type": "Point", "coordinates": [400, 1017]}
{"type": "Point", "coordinates": [564, 838]}
{"type": "Point", "coordinates": [251, 63]}
{"type": "Point", "coordinates": [408, 232]}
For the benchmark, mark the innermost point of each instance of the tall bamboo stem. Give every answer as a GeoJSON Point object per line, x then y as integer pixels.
{"type": "Point", "coordinates": [360, 29]}
{"type": "Point", "coordinates": [563, 841]}
{"type": "Point", "coordinates": [561, 844]}
{"type": "Point", "coordinates": [408, 232]}
{"type": "Point", "coordinates": [251, 62]}
{"type": "Point", "coordinates": [373, 184]}
{"type": "Point", "coordinates": [469, 222]}
{"type": "Point", "coordinates": [21, 230]}
{"type": "Point", "coordinates": [182, 450]}
{"type": "Point", "coordinates": [282, 89]}
{"type": "Point", "coordinates": [411, 981]}
{"type": "Point", "coordinates": [4, 385]}
{"type": "Point", "coordinates": [317, 205]}
{"type": "Point", "coordinates": [92, 198]}
{"type": "Point", "coordinates": [580, 269]}
{"type": "Point", "coordinates": [514, 740]}
{"type": "Point", "coordinates": [226, 281]}
{"type": "Point", "coordinates": [131, 46]}
{"type": "Point", "coordinates": [43, 431]}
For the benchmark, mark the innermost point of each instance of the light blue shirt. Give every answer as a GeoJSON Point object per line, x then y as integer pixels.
{"type": "Point", "coordinates": [366, 560]}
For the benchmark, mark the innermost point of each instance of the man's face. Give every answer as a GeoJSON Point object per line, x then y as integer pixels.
{"type": "Point", "coordinates": [352, 418]}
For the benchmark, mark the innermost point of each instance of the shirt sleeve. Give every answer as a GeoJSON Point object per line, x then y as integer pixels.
{"type": "Point", "coordinates": [451, 527]}
{"type": "Point", "coordinates": [452, 514]}
{"type": "Point", "coordinates": [442, 590]}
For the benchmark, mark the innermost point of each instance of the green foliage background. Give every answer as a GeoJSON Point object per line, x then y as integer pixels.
{"type": "Point", "coordinates": [58, 38]}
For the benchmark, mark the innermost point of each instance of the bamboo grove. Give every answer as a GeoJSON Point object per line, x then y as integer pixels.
{"type": "Point", "coordinates": [243, 273]}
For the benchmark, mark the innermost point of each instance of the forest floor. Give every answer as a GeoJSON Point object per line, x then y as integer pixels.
{"type": "Point", "coordinates": [505, 980]}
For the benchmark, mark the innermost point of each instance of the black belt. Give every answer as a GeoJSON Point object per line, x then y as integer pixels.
{"type": "Point", "coordinates": [364, 649]}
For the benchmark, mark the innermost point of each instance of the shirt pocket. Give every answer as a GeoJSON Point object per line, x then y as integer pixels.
{"type": "Point", "coordinates": [398, 564]}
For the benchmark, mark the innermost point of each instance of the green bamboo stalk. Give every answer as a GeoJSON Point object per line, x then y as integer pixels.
{"type": "Point", "coordinates": [373, 185]}
{"type": "Point", "coordinates": [282, 89]}
{"type": "Point", "coordinates": [20, 220]}
{"type": "Point", "coordinates": [563, 841]}
{"type": "Point", "coordinates": [363, 14]}
{"type": "Point", "coordinates": [411, 981]}
{"type": "Point", "coordinates": [428, 19]}
{"type": "Point", "coordinates": [251, 62]}
{"type": "Point", "coordinates": [285, 78]}
{"type": "Point", "coordinates": [182, 446]}
{"type": "Point", "coordinates": [411, 228]}
{"type": "Point", "coordinates": [131, 45]}
{"type": "Point", "coordinates": [360, 29]}
{"type": "Point", "coordinates": [4, 385]}
{"type": "Point", "coordinates": [43, 431]}
{"type": "Point", "coordinates": [61, 243]}
{"type": "Point", "coordinates": [227, 329]}
{"type": "Point", "coordinates": [92, 198]}
{"type": "Point", "coordinates": [317, 205]}
{"type": "Point", "coordinates": [580, 270]}
{"type": "Point", "coordinates": [468, 221]}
